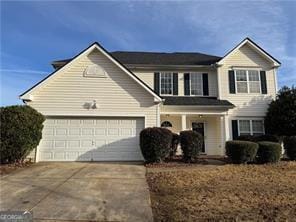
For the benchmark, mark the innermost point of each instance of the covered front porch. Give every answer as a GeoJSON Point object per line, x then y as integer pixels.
{"type": "Point", "coordinates": [213, 126]}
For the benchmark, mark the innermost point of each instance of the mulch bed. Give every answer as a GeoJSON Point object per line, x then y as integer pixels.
{"type": "Point", "coordinates": [8, 168]}
{"type": "Point", "coordinates": [177, 161]}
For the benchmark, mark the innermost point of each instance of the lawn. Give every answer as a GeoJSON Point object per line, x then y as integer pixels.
{"type": "Point", "coordinates": [224, 193]}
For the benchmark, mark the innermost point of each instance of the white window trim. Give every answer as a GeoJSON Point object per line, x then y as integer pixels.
{"type": "Point", "coordinates": [248, 82]}
{"type": "Point", "coordinates": [251, 126]}
{"type": "Point", "coordinates": [195, 73]}
{"type": "Point", "coordinates": [172, 88]}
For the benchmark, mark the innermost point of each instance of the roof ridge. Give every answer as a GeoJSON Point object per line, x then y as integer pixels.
{"type": "Point", "coordinates": [151, 52]}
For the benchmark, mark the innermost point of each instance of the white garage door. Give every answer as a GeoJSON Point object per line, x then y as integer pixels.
{"type": "Point", "coordinates": [91, 139]}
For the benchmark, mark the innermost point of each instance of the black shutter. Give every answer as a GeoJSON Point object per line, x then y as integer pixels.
{"type": "Point", "coordinates": [231, 79]}
{"type": "Point", "coordinates": [205, 83]}
{"type": "Point", "coordinates": [186, 84]}
{"type": "Point", "coordinates": [156, 82]}
{"type": "Point", "coordinates": [175, 83]}
{"type": "Point", "coordinates": [263, 82]}
{"type": "Point", "coordinates": [234, 129]}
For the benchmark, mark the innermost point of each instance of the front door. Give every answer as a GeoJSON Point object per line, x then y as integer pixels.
{"type": "Point", "coordinates": [200, 128]}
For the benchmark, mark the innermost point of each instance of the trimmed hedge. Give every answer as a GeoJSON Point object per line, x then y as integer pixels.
{"type": "Point", "coordinates": [174, 145]}
{"type": "Point", "coordinates": [191, 144]}
{"type": "Point", "coordinates": [21, 131]}
{"type": "Point", "coordinates": [290, 147]}
{"type": "Point", "coordinates": [241, 151]}
{"type": "Point", "coordinates": [155, 143]}
{"type": "Point", "coordinates": [269, 152]}
{"type": "Point", "coordinates": [266, 137]}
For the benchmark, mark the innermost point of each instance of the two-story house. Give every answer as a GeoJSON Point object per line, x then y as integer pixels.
{"type": "Point", "coordinates": [97, 103]}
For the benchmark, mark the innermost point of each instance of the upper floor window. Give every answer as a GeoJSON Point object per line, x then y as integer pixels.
{"type": "Point", "coordinates": [166, 83]}
{"type": "Point", "coordinates": [196, 85]}
{"type": "Point", "coordinates": [251, 127]}
{"type": "Point", "coordinates": [247, 81]}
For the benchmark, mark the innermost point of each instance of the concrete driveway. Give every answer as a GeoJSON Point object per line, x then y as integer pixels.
{"type": "Point", "coordinates": [79, 191]}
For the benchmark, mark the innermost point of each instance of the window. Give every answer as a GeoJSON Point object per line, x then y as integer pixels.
{"type": "Point", "coordinates": [196, 84]}
{"type": "Point", "coordinates": [254, 81]}
{"type": "Point", "coordinates": [94, 71]}
{"type": "Point", "coordinates": [166, 124]}
{"type": "Point", "coordinates": [166, 83]}
{"type": "Point", "coordinates": [251, 127]}
{"type": "Point", "coordinates": [247, 81]}
{"type": "Point", "coordinates": [241, 81]}
{"type": "Point", "coordinates": [258, 128]}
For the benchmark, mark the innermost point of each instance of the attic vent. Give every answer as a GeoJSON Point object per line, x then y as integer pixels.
{"type": "Point", "coordinates": [95, 71]}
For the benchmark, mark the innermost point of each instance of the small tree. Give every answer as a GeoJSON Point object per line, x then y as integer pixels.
{"type": "Point", "coordinates": [21, 131]}
{"type": "Point", "coordinates": [281, 114]}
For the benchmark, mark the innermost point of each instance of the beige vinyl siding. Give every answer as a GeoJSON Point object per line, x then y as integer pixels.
{"type": "Point", "coordinates": [117, 95]}
{"type": "Point", "coordinates": [252, 104]}
{"type": "Point", "coordinates": [148, 78]}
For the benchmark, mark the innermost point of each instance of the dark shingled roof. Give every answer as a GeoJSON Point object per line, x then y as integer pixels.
{"type": "Point", "coordinates": [160, 58]}
{"type": "Point", "coordinates": [157, 58]}
{"type": "Point", "coordinates": [195, 100]}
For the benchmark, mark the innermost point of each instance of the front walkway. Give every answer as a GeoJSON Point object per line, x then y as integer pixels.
{"type": "Point", "coordinates": [79, 191]}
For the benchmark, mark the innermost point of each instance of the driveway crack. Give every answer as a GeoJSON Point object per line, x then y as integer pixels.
{"type": "Point", "coordinates": [59, 185]}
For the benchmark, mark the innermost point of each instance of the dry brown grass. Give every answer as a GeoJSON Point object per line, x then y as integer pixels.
{"type": "Point", "coordinates": [224, 193]}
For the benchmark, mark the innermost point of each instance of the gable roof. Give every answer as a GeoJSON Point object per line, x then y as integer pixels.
{"type": "Point", "coordinates": [175, 58]}
{"type": "Point", "coordinates": [95, 45]}
{"type": "Point", "coordinates": [157, 58]}
{"type": "Point", "coordinates": [256, 47]}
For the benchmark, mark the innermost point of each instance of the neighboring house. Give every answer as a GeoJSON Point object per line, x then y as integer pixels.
{"type": "Point", "coordinates": [97, 103]}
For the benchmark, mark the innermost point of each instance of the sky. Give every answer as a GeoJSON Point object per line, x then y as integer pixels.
{"type": "Point", "coordinates": [35, 33]}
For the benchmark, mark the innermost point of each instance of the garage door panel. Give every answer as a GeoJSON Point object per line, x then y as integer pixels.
{"type": "Point", "coordinates": [113, 132]}
{"type": "Point", "coordinates": [86, 139]}
{"type": "Point", "coordinates": [74, 143]}
{"type": "Point", "coordinates": [87, 143]}
{"type": "Point", "coordinates": [61, 121]}
{"type": "Point", "coordinates": [45, 155]}
{"type": "Point", "coordinates": [48, 131]}
{"type": "Point", "coordinates": [100, 143]}
{"type": "Point", "coordinates": [75, 122]}
{"type": "Point", "coordinates": [74, 131]}
{"type": "Point", "coordinates": [72, 156]}
{"type": "Point", "coordinates": [87, 131]}
{"type": "Point", "coordinates": [60, 144]}
{"type": "Point", "coordinates": [61, 131]}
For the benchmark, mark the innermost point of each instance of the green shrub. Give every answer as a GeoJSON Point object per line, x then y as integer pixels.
{"type": "Point", "coordinates": [241, 151]}
{"type": "Point", "coordinates": [290, 147]}
{"type": "Point", "coordinates": [174, 145]}
{"type": "Point", "coordinates": [266, 137]}
{"type": "Point", "coordinates": [21, 131]}
{"type": "Point", "coordinates": [191, 144]}
{"type": "Point", "coordinates": [155, 143]}
{"type": "Point", "coordinates": [269, 152]}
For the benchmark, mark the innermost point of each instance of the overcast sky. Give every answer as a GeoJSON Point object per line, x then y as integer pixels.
{"type": "Point", "coordinates": [35, 33]}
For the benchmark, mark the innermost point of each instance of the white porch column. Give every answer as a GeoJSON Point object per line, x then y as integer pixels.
{"type": "Point", "coordinates": [224, 127]}
{"type": "Point", "coordinates": [158, 115]}
{"type": "Point", "coordinates": [183, 121]}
